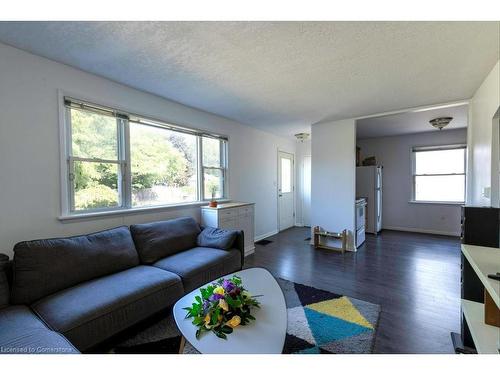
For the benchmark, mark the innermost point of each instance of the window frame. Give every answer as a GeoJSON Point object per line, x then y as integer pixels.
{"type": "Point", "coordinates": [413, 152]}
{"type": "Point", "coordinates": [223, 146]}
{"type": "Point", "coordinates": [123, 123]}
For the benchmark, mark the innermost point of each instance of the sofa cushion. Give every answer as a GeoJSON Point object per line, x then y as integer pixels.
{"type": "Point", "coordinates": [201, 265]}
{"type": "Point", "coordinates": [43, 267]}
{"type": "Point", "coordinates": [95, 310]}
{"type": "Point", "coordinates": [217, 238]}
{"type": "Point", "coordinates": [23, 333]}
{"type": "Point", "coordinates": [157, 240]}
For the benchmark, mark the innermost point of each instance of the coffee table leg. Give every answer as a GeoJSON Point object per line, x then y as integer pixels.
{"type": "Point", "coordinates": [182, 345]}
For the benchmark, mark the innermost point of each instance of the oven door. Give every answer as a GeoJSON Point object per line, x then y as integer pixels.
{"type": "Point", "coordinates": [360, 215]}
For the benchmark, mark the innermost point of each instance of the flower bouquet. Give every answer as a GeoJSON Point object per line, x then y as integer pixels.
{"type": "Point", "coordinates": [222, 306]}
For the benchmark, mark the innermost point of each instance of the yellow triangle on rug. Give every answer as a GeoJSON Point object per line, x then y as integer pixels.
{"type": "Point", "coordinates": [341, 308]}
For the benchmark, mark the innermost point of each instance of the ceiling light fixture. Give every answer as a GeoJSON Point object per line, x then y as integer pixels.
{"type": "Point", "coordinates": [440, 122]}
{"type": "Point", "coordinates": [302, 137]}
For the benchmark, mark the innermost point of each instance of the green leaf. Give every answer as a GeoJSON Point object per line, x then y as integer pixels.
{"type": "Point", "coordinates": [197, 320]}
{"type": "Point", "coordinates": [204, 293]}
{"type": "Point", "coordinates": [220, 335]}
{"type": "Point", "coordinates": [215, 317]}
{"type": "Point", "coordinates": [226, 329]}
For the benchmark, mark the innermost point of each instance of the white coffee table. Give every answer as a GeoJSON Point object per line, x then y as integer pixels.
{"type": "Point", "coordinates": [265, 335]}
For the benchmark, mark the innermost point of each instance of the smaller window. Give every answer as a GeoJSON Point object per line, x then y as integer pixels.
{"type": "Point", "coordinates": [214, 167]}
{"type": "Point", "coordinates": [94, 163]}
{"type": "Point", "coordinates": [439, 174]}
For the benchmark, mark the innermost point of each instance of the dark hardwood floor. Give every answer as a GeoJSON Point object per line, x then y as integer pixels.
{"type": "Point", "coordinates": [415, 278]}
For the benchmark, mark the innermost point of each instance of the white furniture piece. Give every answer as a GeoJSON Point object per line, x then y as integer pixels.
{"type": "Point", "coordinates": [484, 261]}
{"type": "Point", "coordinates": [265, 335]}
{"type": "Point", "coordinates": [233, 215]}
{"type": "Point", "coordinates": [360, 221]}
{"type": "Point", "coordinates": [369, 185]}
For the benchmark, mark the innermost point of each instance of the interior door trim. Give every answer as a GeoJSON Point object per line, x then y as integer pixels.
{"type": "Point", "coordinates": [278, 165]}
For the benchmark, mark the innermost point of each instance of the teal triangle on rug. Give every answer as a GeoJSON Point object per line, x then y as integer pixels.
{"type": "Point", "coordinates": [326, 328]}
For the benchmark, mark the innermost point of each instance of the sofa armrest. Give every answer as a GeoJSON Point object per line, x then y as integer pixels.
{"type": "Point", "coordinates": [239, 243]}
{"type": "Point", "coordinates": [5, 280]}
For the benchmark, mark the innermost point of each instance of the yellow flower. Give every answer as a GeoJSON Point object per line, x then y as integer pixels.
{"type": "Point", "coordinates": [219, 290]}
{"type": "Point", "coordinates": [223, 305]}
{"type": "Point", "coordinates": [234, 322]}
{"type": "Point", "coordinates": [207, 319]}
{"type": "Point", "coordinates": [245, 294]}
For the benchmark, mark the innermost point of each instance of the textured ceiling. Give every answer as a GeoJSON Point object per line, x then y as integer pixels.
{"type": "Point", "coordinates": [410, 122]}
{"type": "Point", "coordinates": [278, 76]}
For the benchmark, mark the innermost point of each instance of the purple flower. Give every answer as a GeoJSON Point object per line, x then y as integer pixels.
{"type": "Point", "coordinates": [216, 297]}
{"type": "Point", "coordinates": [228, 285]}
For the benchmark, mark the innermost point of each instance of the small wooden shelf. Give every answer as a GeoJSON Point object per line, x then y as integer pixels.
{"type": "Point", "coordinates": [486, 337]}
{"type": "Point", "coordinates": [319, 234]}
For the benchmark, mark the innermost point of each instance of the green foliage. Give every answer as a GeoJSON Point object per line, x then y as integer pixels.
{"type": "Point", "coordinates": [96, 196]}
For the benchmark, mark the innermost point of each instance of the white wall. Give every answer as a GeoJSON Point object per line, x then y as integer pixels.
{"type": "Point", "coordinates": [393, 153]}
{"type": "Point", "coordinates": [333, 182]}
{"type": "Point", "coordinates": [483, 106]}
{"type": "Point", "coordinates": [29, 149]}
{"type": "Point", "coordinates": [303, 149]}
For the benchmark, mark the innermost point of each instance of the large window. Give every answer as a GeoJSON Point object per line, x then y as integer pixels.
{"type": "Point", "coordinates": [439, 174]}
{"type": "Point", "coordinates": [120, 161]}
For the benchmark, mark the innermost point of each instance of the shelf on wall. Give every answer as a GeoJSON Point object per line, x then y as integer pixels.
{"type": "Point", "coordinates": [486, 337]}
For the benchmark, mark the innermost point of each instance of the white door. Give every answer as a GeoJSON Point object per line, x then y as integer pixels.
{"type": "Point", "coordinates": [306, 191]}
{"type": "Point", "coordinates": [285, 191]}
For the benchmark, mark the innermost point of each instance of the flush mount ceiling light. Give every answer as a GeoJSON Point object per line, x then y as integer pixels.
{"type": "Point", "coordinates": [440, 122]}
{"type": "Point", "coordinates": [302, 136]}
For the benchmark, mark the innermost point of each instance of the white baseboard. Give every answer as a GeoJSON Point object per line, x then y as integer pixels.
{"type": "Point", "coordinates": [265, 235]}
{"type": "Point", "coordinates": [425, 231]}
{"type": "Point", "coordinates": [249, 250]}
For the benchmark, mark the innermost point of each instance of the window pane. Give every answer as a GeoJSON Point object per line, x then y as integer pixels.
{"type": "Point", "coordinates": [440, 188]}
{"type": "Point", "coordinates": [213, 180]}
{"type": "Point", "coordinates": [163, 166]}
{"type": "Point", "coordinates": [93, 135]}
{"type": "Point", "coordinates": [286, 175]}
{"type": "Point", "coordinates": [440, 161]}
{"type": "Point", "coordinates": [96, 185]}
{"type": "Point", "coordinates": [211, 152]}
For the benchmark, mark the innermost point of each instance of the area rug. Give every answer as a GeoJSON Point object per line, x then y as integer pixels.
{"type": "Point", "coordinates": [319, 322]}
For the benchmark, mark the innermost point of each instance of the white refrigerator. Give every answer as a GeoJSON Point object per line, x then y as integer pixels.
{"type": "Point", "coordinates": [369, 186]}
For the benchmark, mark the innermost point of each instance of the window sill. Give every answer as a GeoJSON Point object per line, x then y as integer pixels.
{"type": "Point", "coordinates": [131, 211]}
{"type": "Point", "coordinates": [438, 202]}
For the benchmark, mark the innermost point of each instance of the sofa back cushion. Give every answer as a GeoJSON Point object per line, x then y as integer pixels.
{"type": "Point", "coordinates": [160, 239]}
{"type": "Point", "coordinates": [4, 281]}
{"type": "Point", "coordinates": [43, 267]}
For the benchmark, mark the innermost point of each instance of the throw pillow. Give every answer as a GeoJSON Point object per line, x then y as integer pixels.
{"type": "Point", "coordinates": [217, 238]}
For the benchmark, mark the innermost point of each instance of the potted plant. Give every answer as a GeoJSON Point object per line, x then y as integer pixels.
{"type": "Point", "coordinates": [213, 202]}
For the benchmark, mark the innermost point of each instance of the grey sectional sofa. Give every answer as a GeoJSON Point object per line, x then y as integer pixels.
{"type": "Point", "coordinates": [67, 295]}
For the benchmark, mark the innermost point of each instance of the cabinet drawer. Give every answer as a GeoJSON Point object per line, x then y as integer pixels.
{"type": "Point", "coordinates": [228, 213]}
{"type": "Point", "coordinates": [242, 211]}
{"type": "Point", "coordinates": [229, 223]}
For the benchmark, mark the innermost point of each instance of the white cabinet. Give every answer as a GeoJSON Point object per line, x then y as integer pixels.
{"type": "Point", "coordinates": [234, 215]}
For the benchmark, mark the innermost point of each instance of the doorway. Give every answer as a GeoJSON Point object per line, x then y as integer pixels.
{"type": "Point", "coordinates": [286, 211]}
{"type": "Point", "coordinates": [306, 191]}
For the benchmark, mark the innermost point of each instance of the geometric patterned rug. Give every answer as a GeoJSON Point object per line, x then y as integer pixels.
{"type": "Point", "coordinates": [319, 322]}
